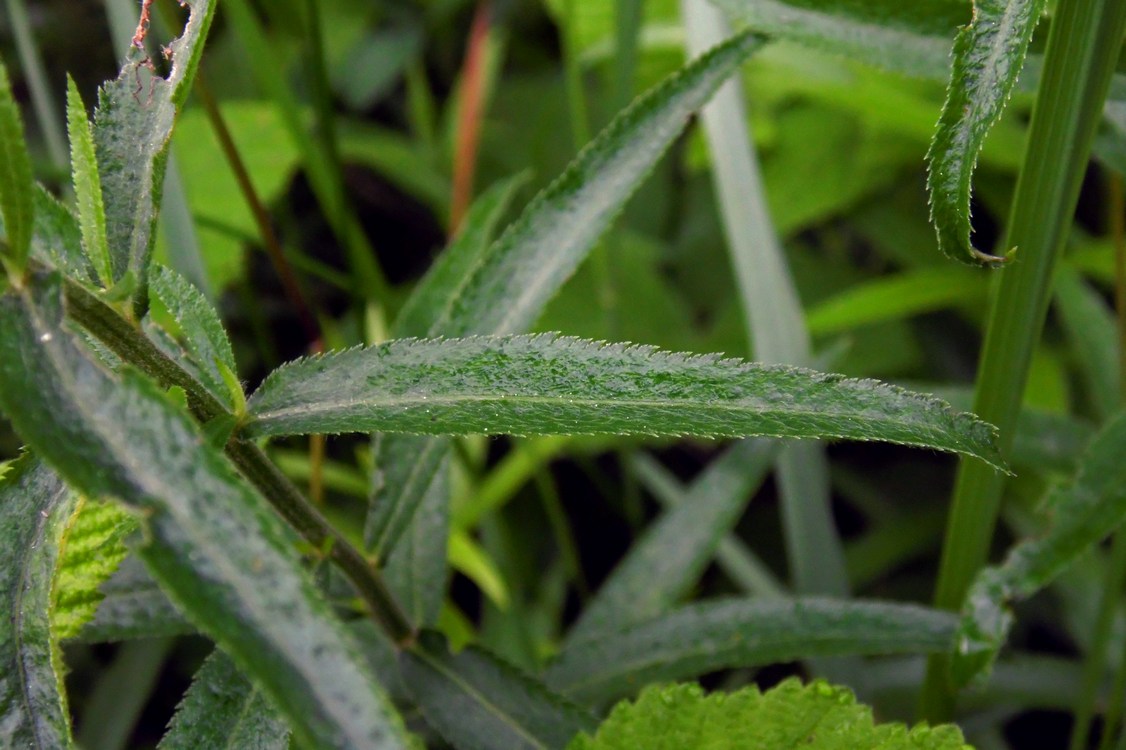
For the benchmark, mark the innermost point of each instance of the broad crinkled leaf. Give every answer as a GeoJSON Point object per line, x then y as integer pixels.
{"type": "Point", "coordinates": [791, 716]}
{"type": "Point", "coordinates": [214, 544]}
{"type": "Point", "coordinates": [549, 384]}
{"type": "Point", "coordinates": [223, 710]}
{"type": "Point", "coordinates": [93, 547]}
{"type": "Point", "coordinates": [702, 638]}
{"type": "Point", "coordinates": [35, 507]}
{"type": "Point", "coordinates": [132, 131]}
{"type": "Point", "coordinates": [1083, 514]}
{"type": "Point", "coordinates": [133, 606]}
{"type": "Point", "coordinates": [988, 57]}
{"type": "Point", "coordinates": [478, 702]}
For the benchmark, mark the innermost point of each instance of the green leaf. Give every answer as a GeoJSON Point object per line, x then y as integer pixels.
{"type": "Point", "coordinates": [433, 297]}
{"type": "Point", "coordinates": [57, 238]}
{"type": "Point", "coordinates": [223, 709]}
{"type": "Point", "coordinates": [416, 570]}
{"type": "Point", "coordinates": [406, 466]}
{"type": "Point", "coordinates": [669, 559]}
{"type": "Point", "coordinates": [547, 384]}
{"type": "Point", "coordinates": [16, 184]}
{"type": "Point", "coordinates": [526, 266]}
{"type": "Point", "coordinates": [791, 716]}
{"type": "Point", "coordinates": [92, 548]}
{"type": "Point", "coordinates": [988, 57]}
{"type": "Point", "coordinates": [707, 637]}
{"type": "Point", "coordinates": [911, 38]}
{"type": "Point", "coordinates": [1083, 513]}
{"type": "Point", "coordinates": [198, 327]}
{"type": "Point", "coordinates": [478, 702]}
{"type": "Point", "coordinates": [133, 606]}
{"type": "Point", "coordinates": [132, 130]}
{"type": "Point", "coordinates": [213, 543]}
{"type": "Point", "coordinates": [35, 507]}
{"type": "Point", "coordinates": [1092, 331]}
{"type": "Point", "coordinates": [87, 186]}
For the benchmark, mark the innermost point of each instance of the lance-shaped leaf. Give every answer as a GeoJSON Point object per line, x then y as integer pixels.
{"type": "Point", "coordinates": [742, 633]}
{"type": "Point", "coordinates": [35, 507]}
{"type": "Point", "coordinates": [550, 384]}
{"type": "Point", "coordinates": [1084, 513]}
{"type": "Point", "coordinates": [912, 38]}
{"type": "Point", "coordinates": [132, 131]}
{"type": "Point", "coordinates": [16, 184]}
{"type": "Point", "coordinates": [213, 543]}
{"type": "Point", "coordinates": [92, 549]}
{"type": "Point", "coordinates": [504, 288]}
{"type": "Point", "coordinates": [416, 569]}
{"type": "Point", "coordinates": [478, 702]}
{"type": "Point", "coordinates": [87, 185]}
{"type": "Point", "coordinates": [988, 57]}
{"type": "Point", "coordinates": [223, 709]}
{"type": "Point", "coordinates": [669, 559]}
{"type": "Point", "coordinates": [791, 716]}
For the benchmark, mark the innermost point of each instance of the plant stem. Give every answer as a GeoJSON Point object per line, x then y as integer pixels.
{"type": "Point", "coordinates": [129, 344]}
{"type": "Point", "coordinates": [1082, 51]}
{"type": "Point", "coordinates": [471, 104]}
{"type": "Point", "coordinates": [627, 26]}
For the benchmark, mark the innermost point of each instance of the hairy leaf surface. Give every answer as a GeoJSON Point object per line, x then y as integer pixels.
{"type": "Point", "coordinates": [223, 710]}
{"type": "Point", "coordinates": [132, 130]}
{"type": "Point", "coordinates": [707, 637]}
{"type": "Point", "coordinates": [35, 507]}
{"type": "Point", "coordinates": [548, 384]}
{"type": "Point", "coordinates": [213, 543]}
{"type": "Point", "coordinates": [988, 57]}
{"type": "Point", "coordinates": [791, 716]}
{"type": "Point", "coordinates": [87, 186]}
{"type": "Point", "coordinates": [1084, 513]}
{"type": "Point", "coordinates": [478, 702]}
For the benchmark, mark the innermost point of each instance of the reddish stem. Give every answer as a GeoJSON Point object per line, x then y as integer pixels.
{"type": "Point", "coordinates": [470, 112]}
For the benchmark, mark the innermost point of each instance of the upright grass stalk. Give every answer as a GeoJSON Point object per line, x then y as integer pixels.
{"type": "Point", "coordinates": [46, 109]}
{"type": "Point", "coordinates": [470, 112]}
{"type": "Point", "coordinates": [1082, 51]}
{"type": "Point", "coordinates": [772, 312]}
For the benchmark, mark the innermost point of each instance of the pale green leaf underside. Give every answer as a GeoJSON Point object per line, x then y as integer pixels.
{"type": "Point", "coordinates": [478, 702]}
{"type": "Point", "coordinates": [791, 716]}
{"type": "Point", "coordinates": [223, 710]}
{"type": "Point", "coordinates": [35, 507]}
{"type": "Point", "coordinates": [133, 606]}
{"type": "Point", "coordinates": [988, 57]}
{"type": "Point", "coordinates": [92, 549]}
{"type": "Point", "coordinates": [1083, 514]}
{"type": "Point", "coordinates": [87, 186]}
{"type": "Point", "coordinates": [212, 542]}
{"type": "Point", "coordinates": [549, 384]}
{"type": "Point", "coordinates": [736, 633]}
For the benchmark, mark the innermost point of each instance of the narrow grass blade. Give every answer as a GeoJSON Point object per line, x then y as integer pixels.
{"type": "Point", "coordinates": [198, 326]}
{"type": "Point", "coordinates": [16, 184]}
{"type": "Point", "coordinates": [668, 560]}
{"type": "Point", "coordinates": [416, 570]}
{"type": "Point", "coordinates": [988, 57]}
{"type": "Point", "coordinates": [478, 702]}
{"type": "Point", "coordinates": [912, 38]}
{"type": "Point", "coordinates": [133, 606]}
{"type": "Point", "coordinates": [223, 709]}
{"type": "Point", "coordinates": [1084, 513]}
{"type": "Point", "coordinates": [35, 507]}
{"type": "Point", "coordinates": [704, 638]}
{"type": "Point", "coordinates": [526, 266]}
{"type": "Point", "coordinates": [789, 716]}
{"type": "Point", "coordinates": [87, 186]}
{"type": "Point", "coordinates": [212, 542]}
{"type": "Point", "coordinates": [93, 547]}
{"type": "Point", "coordinates": [132, 131]}
{"type": "Point", "coordinates": [549, 384]}
{"type": "Point", "coordinates": [1090, 326]}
